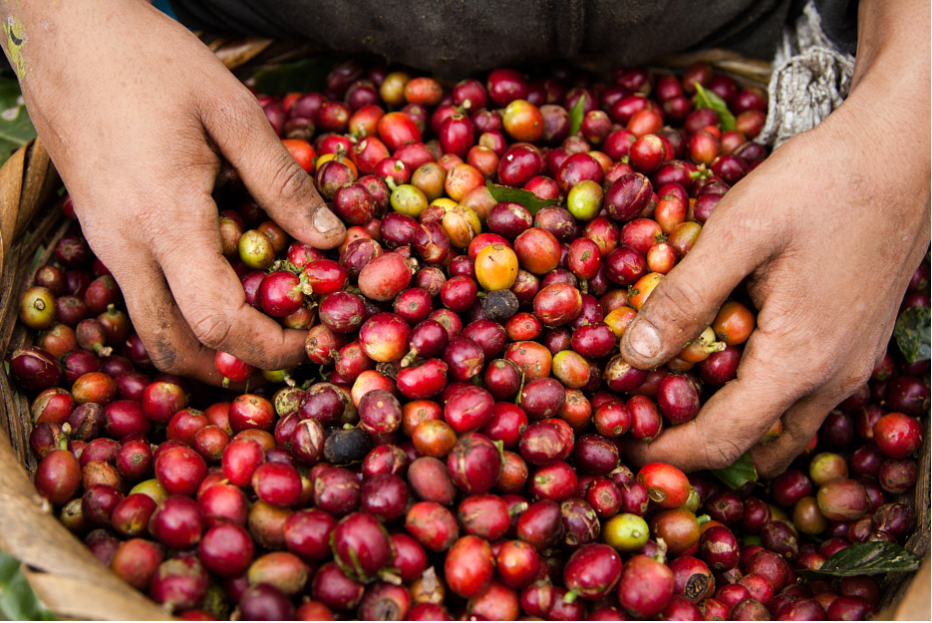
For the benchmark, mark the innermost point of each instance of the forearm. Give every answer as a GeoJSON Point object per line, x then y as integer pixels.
{"type": "Point", "coordinates": [55, 47]}
{"type": "Point", "coordinates": [890, 87]}
{"type": "Point", "coordinates": [110, 56]}
{"type": "Point", "coordinates": [893, 40]}
{"type": "Point", "coordinates": [36, 30]}
{"type": "Point", "coordinates": [881, 132]}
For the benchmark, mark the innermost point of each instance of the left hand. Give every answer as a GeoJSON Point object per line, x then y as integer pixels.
{"type": "Point", "coordinates": [828, 231]}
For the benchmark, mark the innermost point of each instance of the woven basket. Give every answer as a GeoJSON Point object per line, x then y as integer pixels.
{"type": "Point", "coordinates": [62, 571]}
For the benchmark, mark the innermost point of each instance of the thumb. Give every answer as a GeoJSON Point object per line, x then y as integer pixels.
{"type": "Point", "coordinates": [273, 177]}
{"type": "Point", "coordinates": [733, 419]}
{"type": "Point", "coordinates": [686, 299]}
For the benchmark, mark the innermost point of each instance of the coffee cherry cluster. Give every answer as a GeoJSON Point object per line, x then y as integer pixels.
{"type": "Point", "coordinates": [455, 450]}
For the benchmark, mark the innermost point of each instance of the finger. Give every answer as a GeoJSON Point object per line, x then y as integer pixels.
{"type": "Point", "coordinates": [734, 418]}
{"type": "Point", "coordinates": [800, 423]}
{"type": "Point", "coordinates": [159, 323]}
{"type": "Point", "coordinates": [244, 136]}
{"type": "Point", "coordinates": [212, 300]}
{"type": "Point", "coordinates": [803, 420]}
{"type": "Point", "coordinates": [686, 300]}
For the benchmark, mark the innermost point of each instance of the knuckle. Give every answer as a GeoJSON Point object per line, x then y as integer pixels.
{"type": "Point", "coordinates": [722, 455]}
{"type": "Point", "coordinates": [170, 366]}
{"type": "Point", "coordinates": [229, 333]}
{"type": "Point", "coordinates": [680, 300]}
{"type": "Point", "coordinates": [822, 367]}
{"type": "Point", "coordinates": [166, 357]}
{"type": "Point", "coordinates": [213, 330]}
{"type": "Point", "coordinates": [290, 182]}
{"type": "Point", "coordinates": [719, 453]}
{"type": "Point", "coordinates": [151, 225]}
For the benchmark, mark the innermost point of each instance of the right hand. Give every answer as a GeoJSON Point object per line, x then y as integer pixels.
{"type": "Point", "coordinates": [136, 113]}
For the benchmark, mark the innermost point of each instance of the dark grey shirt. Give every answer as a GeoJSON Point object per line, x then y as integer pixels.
{"type": "Point", "coordinates": [456, 37]}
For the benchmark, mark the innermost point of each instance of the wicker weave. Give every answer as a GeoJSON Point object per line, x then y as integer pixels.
{"type": "Point", "coordinates": [65, 575]}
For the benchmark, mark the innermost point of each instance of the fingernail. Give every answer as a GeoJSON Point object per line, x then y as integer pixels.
{"type": "Point", "coordinates": [325, 221]}
{"type": "Point", "coordinates": [644, 339]}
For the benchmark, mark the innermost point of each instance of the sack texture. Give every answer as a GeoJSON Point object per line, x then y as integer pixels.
{"type": "Point", "coordinates": [458, 37]}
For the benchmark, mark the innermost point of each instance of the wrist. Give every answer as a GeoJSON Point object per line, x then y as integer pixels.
{"type": "Point", "coordinates": [882, 129]}
{"type": "Point", "coordinates": [53, 41]}
{"type": "Point", "coordinates": [892, 35]}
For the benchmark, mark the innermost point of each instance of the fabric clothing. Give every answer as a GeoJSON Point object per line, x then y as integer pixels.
{"type": "Point", "coordinates": [811, 78]}
{"type": "Point", "coordinates": [458, 37]}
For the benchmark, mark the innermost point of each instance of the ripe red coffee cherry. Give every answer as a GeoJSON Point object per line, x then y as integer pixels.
{"type": "Point", "coordinates": [646, 587]}
{"type": "Point", "coordinates": [475, 463]}
{"type": "Point", "coordinates": [505, 86]}
{"type": "Point", "coordinates": [361, 546]}
{"type": "Point", "coordinates": [384, 337]}
{"type": "Point", "coordinates": [180, 470]}
{"type": "Point", "coordinates": [593, 571]}
{"type": "Point", "coordinates": [667, 486]}
{"type": "Point", "coordinates": [280, 293]}
{"type": "Point", "coordinates": [277, 484]}
{"type": "Point", "coordinates": [177, 522]}
{"type": "Point", "coordinates": [383, 278]}
{"type": "Point", "coordinates": [58, 476]}
{"type": "Point", "coordinates": [898, 435]}
{"type": "Point", "coordinates": [432, 525]}
{"type": "Point", "coordinates": [558, 304]}
{"type": "Point", "coordinates": [628, 196]}
{"type": "Point", "coordinates": [226, 549]}
{"type": "Point", "coordinates": [469, 409]}
{"type": "Point", "coordinates": [469, 566]}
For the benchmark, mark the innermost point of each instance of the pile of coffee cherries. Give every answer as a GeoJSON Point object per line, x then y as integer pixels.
{"type": "Point", "coordinates": [454, 450]}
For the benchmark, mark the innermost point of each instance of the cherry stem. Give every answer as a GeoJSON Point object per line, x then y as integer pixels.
{"type": "Point", "coordinates": [63, 440]}
{"type": "Point", "coordinates": [390, 577]}
{"type": "Point", "coordinates": [661, 556]}
{"type": "Point", "coordinates": [409, 358]}
{"type": "Point", "coordinates": [520, 389]}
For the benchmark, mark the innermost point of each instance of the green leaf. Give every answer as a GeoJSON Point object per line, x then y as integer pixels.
{"type": "Point", "coordinates": [35, 258]}
{"type": "Point", "coordinates": [17, 600]}
{"type": "Point", "coordinates": [16, 127]}
{"type": "Point", "coordinates": [866, 559]}
{"type": "Point", "coordinates": [9, 567]}
{"type": "Point", "coordinates": [710, 99]}
{"type": "Point", "coordinates": [303, 76]}
{"type": "Point", "coordinates": [577, 114]}
{"type": "Point", "coordinates": [912, 333]}
{"type": "Point", "coordinates": [741, 471]}
{"type": "Point", "coordinates": [529, 200]}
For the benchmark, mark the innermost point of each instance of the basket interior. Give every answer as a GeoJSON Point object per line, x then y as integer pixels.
{"type": "Point", "coordinates": [35, 249]}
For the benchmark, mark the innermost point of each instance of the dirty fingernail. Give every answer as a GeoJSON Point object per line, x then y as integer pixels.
{"type": "Point", "coordinates": [325, 221]}
{"type": "Point", "coordinates": [644, 339]}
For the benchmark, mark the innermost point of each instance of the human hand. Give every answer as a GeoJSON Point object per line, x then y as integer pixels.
{"type": "Point", "coordinates": [828, 231]}
{"type": "Point", "coordinates": [136, 119]}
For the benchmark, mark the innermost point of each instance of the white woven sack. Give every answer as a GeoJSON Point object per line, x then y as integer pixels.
{"type": "Point", "coordinates": [811, 78]}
